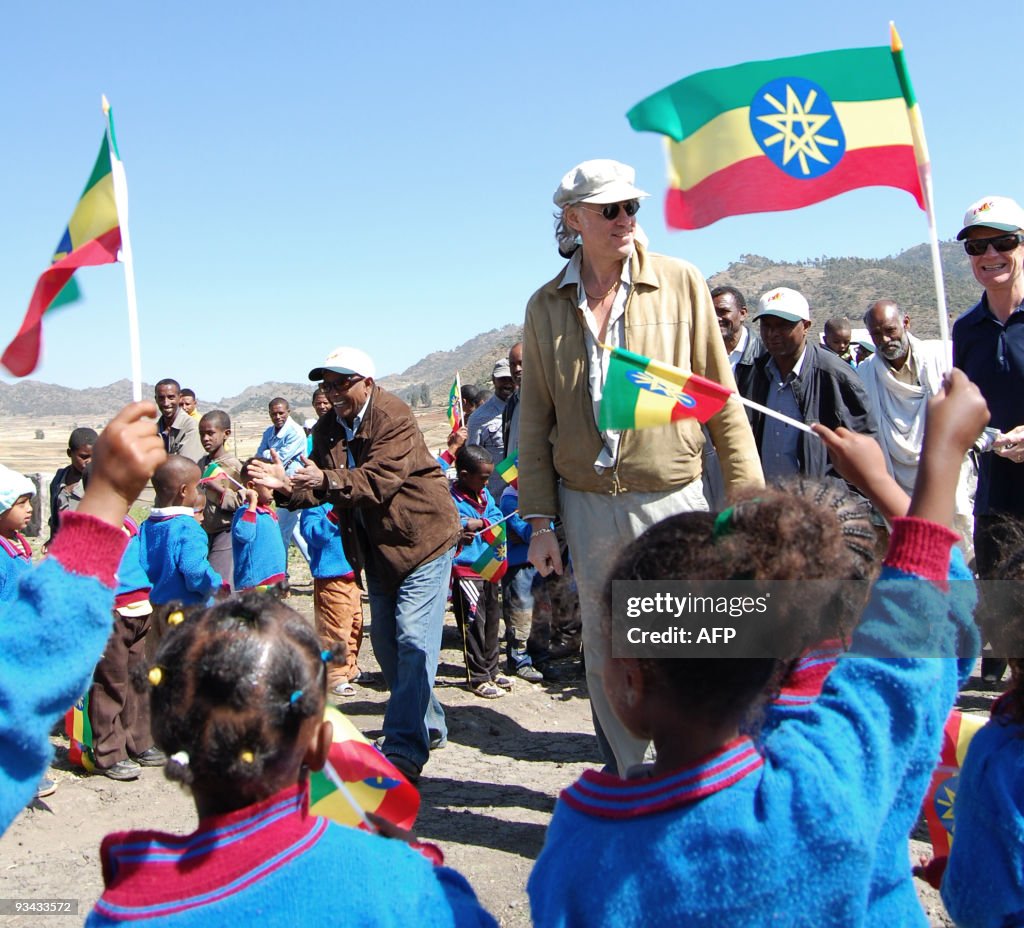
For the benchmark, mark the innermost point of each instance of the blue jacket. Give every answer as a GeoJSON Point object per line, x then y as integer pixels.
{"type": "Point", "coordinates": [468, 508]}
{"type": "Point", "coordinates": [319, 529]}
{"type": "Point", "coordinates": [787, 831]}
{"type": "Point", "coordinates": [258, 548]}
{"type": "Point", "coordinates": [272, 864]}
{"type": "Point", "coordinates": [173, 550]}
{"type": "Point", "coordinates": [52, 634]}
{"type": "Point", "coordinates": [517, 549]}
{"type": "Point", "coordinates": [983, 885]}
{"type": "Point", "coordinates": [15, 562]}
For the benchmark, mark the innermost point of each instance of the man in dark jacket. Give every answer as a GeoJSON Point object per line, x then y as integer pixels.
{"type": "Point", "coordinates": [398, 523]}
{"type": "Point", "coordinates": [741, 340]}
{"type": "Point", "coordinates": [803, 381]}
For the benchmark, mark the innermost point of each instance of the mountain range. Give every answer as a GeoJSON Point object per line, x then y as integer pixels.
{"type": "Point", "coordinates": [833, 287]}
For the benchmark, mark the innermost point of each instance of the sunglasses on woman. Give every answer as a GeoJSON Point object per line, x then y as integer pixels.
{"type": "Point", "coordinates": [1002, 243]}
{"type": "Point", "coordinates": [611, 211]}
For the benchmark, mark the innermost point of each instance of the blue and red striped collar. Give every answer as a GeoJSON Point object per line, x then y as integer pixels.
{"type": "Point", "coordinates": [606, 796]}
{"type": "Point", "coordinates": [803, 683]}
{"type": "Point", "coordinates": [17, 546]}
{"type": "Point", "coordinates": [151, 873]}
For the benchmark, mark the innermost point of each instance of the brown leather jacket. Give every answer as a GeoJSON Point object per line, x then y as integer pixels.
{"type": "Point", "coordinates": [393, 506]}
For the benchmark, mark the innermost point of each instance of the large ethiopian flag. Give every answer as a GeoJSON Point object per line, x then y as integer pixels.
{"type": "Point", "coordinates": [782, 134]}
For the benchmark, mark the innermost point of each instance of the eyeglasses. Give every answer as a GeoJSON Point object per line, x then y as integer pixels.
{"type": "Point", "coordinates": [1002, 243]}
{"type": "Point", "coordinates": [611, 211]}
{"type": "Point", "coordinates": [340, 386]}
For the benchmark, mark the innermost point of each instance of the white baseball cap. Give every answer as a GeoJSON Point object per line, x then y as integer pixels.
{"type": "Point", "coordinates": [345, 360]}
{"type": "Point", "coordinates": [599, 181]}
{"type": "Point", "coordinates": [1000, 213]}
{"type": "Point", "coordinates": [785, 303]}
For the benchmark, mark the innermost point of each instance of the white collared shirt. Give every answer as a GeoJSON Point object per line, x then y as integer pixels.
{"type": "Point", "coordinates": [737, 352]}
{"type": "Point", "coordinates": [598, 359]}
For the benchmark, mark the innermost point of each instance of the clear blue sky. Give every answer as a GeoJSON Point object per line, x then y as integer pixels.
{"type": "Point", "coordinates": [314, 174]}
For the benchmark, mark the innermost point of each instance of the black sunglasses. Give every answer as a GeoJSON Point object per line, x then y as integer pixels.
{"type": "Point", "coordinates": [1002, 243]}
{"type": "Point", "coordinates": [340, 386]}
{"type": "Point", "coordinates": [611, 211]}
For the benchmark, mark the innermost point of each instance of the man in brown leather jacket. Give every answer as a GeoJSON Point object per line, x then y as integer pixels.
{"type": "Point", "coordinates": [398, 524]}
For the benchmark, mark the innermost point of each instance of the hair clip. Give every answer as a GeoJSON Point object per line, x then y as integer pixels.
{"type": "Point", "coordinates": [176, 617]}
{"type": "Point", "coordinates": [180, 757]}
{"type": "Point", "coordinates": [246, 757]}
{"type": "Point", "coordinates": [295, 697]}
{"type": "Point", "coordinates": [155, 676]}
{"type": "Point", "coordinates": [326, 655]}
{"type": "Point", "coordinates": [723, 524]}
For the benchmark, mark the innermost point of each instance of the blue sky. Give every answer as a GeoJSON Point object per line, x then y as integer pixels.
{"type": "Point", "coordinates": [314, 174]}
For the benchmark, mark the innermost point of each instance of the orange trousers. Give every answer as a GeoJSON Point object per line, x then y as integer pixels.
{"type": "Point", "coordinates": [338, 613]}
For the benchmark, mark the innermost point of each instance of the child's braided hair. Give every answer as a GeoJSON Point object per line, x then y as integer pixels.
{"type": "Point", "coordinates": [803, 531]}
{"type": "Point", "coordinates": [230, 688]}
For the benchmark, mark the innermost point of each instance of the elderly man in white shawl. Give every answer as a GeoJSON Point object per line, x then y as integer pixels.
{"type": "Point", "coordinates": [900, 376]}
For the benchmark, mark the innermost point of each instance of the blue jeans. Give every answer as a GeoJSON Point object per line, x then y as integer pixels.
{"type": "Point", "coordinates": [405, 631]}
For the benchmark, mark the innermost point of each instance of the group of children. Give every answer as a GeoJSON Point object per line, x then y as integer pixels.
{"type": "Point", "coordinates": [757, 809]}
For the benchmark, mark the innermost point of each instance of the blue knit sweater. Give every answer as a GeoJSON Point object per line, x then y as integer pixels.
{"type": "Point", "coordinates": [519, 531]}
{"type": "Point", "coordinates": [257, 547]}
{"type": "Point", "coordinates": [984, 881]}
{"type": "Point", "coordinates": [272, 864]}
{"type": "Point", "coordinates": [483, 508]}
{"type": "Point", "coordinates": [51, 637]}
{"type": "Point", "coordinates": [173, 551]}
{"type": "Point", "coordinates": [15, 562]}
{"type": "Point", "coordinates": [319, 529]}
{"type": "Point", "coordinates": [132, 580]}
{"type": "Point", "coordinates": [787, 831]}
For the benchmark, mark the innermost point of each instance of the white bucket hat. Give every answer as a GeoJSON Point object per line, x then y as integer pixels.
{"type": "Point", "coordinates": [599, 181]}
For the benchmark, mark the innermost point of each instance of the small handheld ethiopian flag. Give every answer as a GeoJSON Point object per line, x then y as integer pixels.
{"type": "Point", "coordinates": [508, 469]}
{"type": "Point", "coordinates": [640, 393]}
{"type": "Point", "coordinates": [455, 404]}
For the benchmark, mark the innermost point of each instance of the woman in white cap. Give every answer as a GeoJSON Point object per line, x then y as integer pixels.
{"type": "Point", "coordinates": [610, 486]}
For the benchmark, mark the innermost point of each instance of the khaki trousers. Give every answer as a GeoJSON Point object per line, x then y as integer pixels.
{"type": "Point", "coordinates": [597, 527]}
{"type": "Point", "coordinates": [338, 613]}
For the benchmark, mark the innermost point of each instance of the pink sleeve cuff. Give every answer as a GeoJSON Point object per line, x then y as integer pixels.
{"type": "Point", "coordinates": [249, 515]}
{"type": "Point", "coordinates": [89, 546]}
{"type": "Point", "coordinates": [920, 547]}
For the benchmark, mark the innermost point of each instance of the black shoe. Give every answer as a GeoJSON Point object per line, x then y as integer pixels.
{"type": "Point", "coordinates": [409, 769]}
{"type": "Point", "coordinates": [992, 669]}
{"type": "Point", "coordinates": [122, 770]}
{"type": "Point", "coordinates": [151, 757]}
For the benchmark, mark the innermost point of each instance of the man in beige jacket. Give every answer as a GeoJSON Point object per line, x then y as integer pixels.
{"type": "Point", "coordinates": [608, 487]}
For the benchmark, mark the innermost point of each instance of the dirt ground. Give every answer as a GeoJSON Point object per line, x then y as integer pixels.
{"type": "Point", "coordinates": [486, 797]}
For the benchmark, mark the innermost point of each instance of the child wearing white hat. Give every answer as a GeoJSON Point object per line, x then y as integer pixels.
{"type": "Point", "coordinates": [16, 492]}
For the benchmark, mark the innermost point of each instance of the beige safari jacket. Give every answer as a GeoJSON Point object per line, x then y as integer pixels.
{"type": "Point", "coordinates": [669, 316]}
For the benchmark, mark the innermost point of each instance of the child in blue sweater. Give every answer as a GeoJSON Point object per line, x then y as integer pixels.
{"type": "Point", "coordinates": [983, 884]}
{"type": "Point", "coordinates": [474, 598]}
{"type": "Point", "coordinates": [173, 548]}
{"type": "Point", "coordinates": [722, 830]}
{"type": "Point", "coordinates": [337, 606]}
{"type": "Point", "coordinates": [256, 544]}
{"type": "Point", "coordinates": [16, 492]}
{"type": "Point", "coordinates": [237, 694]}
{"type": "Point", "coordinates": [55, 628]}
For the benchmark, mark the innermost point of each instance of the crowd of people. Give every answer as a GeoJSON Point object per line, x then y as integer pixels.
{"type": "Point", "coordinates": [734, 790]}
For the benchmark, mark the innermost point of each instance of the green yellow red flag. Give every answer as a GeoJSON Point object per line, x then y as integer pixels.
{"type": "Point", "coordinates": [508, 469]}
{"type": "Point", "coordinates": [783, 134]}
{"type": "Point", "coordinates": [640, 392]}
{"type": "Point", "coordinates": [92, 236]}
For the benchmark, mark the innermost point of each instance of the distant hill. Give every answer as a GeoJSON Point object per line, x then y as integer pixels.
{"type": "Point", "coordinates": [845, 286]}
{"type": "Point", "coordinates": [833, 286]}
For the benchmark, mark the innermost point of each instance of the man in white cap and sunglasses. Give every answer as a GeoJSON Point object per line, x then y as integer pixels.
{"type": "Point", "coordinates": [607, 486]}
{"type": "Point", "coordinates": [988, 346]}
{"type": "Point", "coordinates": [398, 524]}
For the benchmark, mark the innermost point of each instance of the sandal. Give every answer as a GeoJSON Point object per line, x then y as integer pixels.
{"type": "Point", "coordinates": [343, 689]}
{"type": "Point", "coordinates": [504, 682]}
{"type": "Point", "coordinates": [488, 690]}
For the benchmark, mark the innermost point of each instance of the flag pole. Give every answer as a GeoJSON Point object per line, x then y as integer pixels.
{"type": "Point", "coordinates": [924, 170]}
{"type": "Point", "coordinates": [121, 202]}
{"type": "Point", "coordinates": [796, 423]}
{"type": "Point", "coordinates": [346, 793]}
